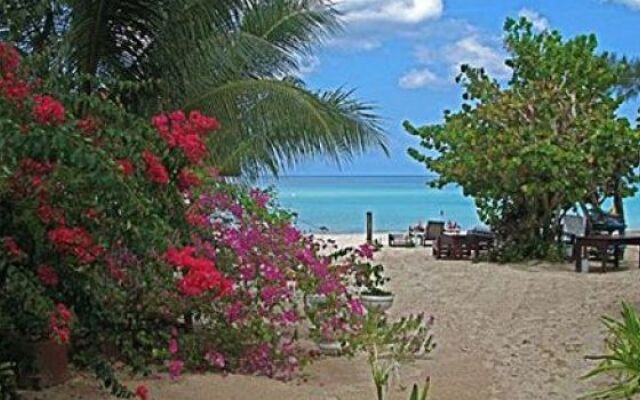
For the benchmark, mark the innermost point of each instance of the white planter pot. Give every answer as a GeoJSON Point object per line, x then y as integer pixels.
{"type": "Point", "coordinates": [377, 302]}
{"type": "Point", "coordinates": [312, 300]}
{"type": "Point", "coordinates": [584, 265]}
{"type": "Point", "coordinates": [330, 348]}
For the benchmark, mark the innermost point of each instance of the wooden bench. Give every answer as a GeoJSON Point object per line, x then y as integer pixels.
{"type": "Point", "coordinates": [603, 243]}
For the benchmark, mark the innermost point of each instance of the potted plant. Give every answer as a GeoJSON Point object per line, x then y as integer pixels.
{"type": "Point", "coordinates": [371, 280]}
{"type": "Point", "coordinates": [37, 340]}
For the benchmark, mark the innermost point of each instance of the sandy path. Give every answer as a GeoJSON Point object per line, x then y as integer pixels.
{"type": "Point", "coordinates": [503, 332]}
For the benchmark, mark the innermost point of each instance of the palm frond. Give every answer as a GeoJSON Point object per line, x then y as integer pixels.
{"type": "Point", "coordinates": [272, 123]}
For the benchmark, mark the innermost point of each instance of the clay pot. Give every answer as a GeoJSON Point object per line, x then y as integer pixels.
{"type": "Point", "coordinates": [49, 367]}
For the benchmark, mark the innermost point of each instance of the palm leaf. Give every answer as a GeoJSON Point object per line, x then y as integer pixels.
{"type": "Point", "coordinates": [270, 123]}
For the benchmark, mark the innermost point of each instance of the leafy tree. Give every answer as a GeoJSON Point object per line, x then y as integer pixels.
{"type": "Point", "coordinates": [237, 57]}
{"type": "Point", "coordinates": [529, 150]}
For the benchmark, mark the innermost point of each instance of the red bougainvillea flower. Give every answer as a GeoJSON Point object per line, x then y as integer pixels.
{"type": "Point", "coordinates": [201, 274]}
{"type": "Point", "coordinates": [89, 125]}
{"type": "Point", "coordinates": [9, 59]}
{"type": "Point", "coordinates": [156, 172]}
{"type": "Point", "coordinates": [48, 111]}
{"type": "Point", "coordinates": [92, 214]}
{"type": "Point", "coordinates": [75, 241]}
{"type": "Point", "coordinates": [126, 166]}
{"type": "Point", "coordinates": [60, 324]}
{"type": "Point", "coordinates": [51, 215]}
{"type": "Point", "coordinates": [11, 247]}
{"type": "Point", "coordinates": [47, 275]}
{"type": "Point", "coordinates": [204, 124]}
{"type": "Point", "coordinates": [186, 133]}
{"type": "Point", "coordinates": [188, 179]}
{"type": "Point", "coordinates": [33, 167]}
{"type": "Point", "coordinates": [15, 91]}
{"type": "Point", "coordinates": [142, 392]}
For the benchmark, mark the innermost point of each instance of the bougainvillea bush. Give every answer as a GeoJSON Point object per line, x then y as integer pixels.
{"type": "Point", "coordinates": [118, 238]}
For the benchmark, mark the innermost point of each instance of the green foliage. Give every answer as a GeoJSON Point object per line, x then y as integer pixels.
{"type": "Point", "coordinates": [238, 59]}
{"type": "Point", "coordinates": [388, 344]}
{"type": "Point", "coordinates": [622, 362]}
{"type": "Point", "coordinates": [420, 394]}
{"type": "Point", "coordinates": [529, 150]}
{"type": "Point", "coordinates": [8, 388]}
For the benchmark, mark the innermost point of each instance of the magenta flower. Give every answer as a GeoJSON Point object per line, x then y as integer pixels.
{"type": "Point", "coordinates": [173, 346]}
{"type": "Point", "coordinates": [271, 272]}
{"type": "Point", "coordinates": [291, 235]}
{"type": "Point", "coordinates": [215, 359]}
{"type": "Point", "coordinates": [356, 307]}
{"type": "Point", "coordinates": [235, 312]}
{"type": "Point", "coordinates": [366, 251]}
{"type": "Point", "coordinates": [261, 198]}
{"type": "Point", "coordinates": [175, 368]}
{"type": "Point", "coordinates": [236, 210]}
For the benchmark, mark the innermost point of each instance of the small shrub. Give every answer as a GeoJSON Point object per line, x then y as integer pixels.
{"type": "Point", "coordinates": [622, 362]}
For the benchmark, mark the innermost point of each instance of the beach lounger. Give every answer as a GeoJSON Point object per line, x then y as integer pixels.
{"type": "Point", "coordinates": [400, 240]}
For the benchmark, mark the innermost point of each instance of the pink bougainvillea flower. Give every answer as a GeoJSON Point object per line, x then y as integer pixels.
{"type": "Point", "coordinates": [235, 312]}
{"type": "Point", "coordinates": [236, 210]}
{"type": "Point", "coordinates": [357, 308]}
{"type": "Point", "coordinates": [215, 359]}
{"type": "Point", "coordinates": [366, 250]}
{"type": "Point", "coordinates": [260, 197]}
{"type": "Point", "coordinates": [175, 368]}
{"type": "Point", "coordinates": [271, 272]}
{"type": "Point", "coordinates": [173, 346]}
{"type": "Point", "coordinates": [48, 111]}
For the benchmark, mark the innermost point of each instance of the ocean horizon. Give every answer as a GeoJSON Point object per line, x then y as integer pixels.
{"type": "Point", "coordinates": [338, 204]}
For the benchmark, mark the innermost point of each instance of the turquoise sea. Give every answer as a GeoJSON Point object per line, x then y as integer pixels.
{"type": "Point", "coordinates": [340, 203]}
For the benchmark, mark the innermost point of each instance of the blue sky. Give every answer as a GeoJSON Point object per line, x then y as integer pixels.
{"type": "Point", "coordinates": [402, 55]}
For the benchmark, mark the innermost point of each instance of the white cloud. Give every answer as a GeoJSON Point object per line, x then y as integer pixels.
{"type": "Point", "coordinates": [540, 23]}
{"type": "Point", "coordinates": [307, 65]}
{"type": "Point", "coordinates": [355, 43]}
{"type": "Point", "coordinates": [417, 78]}
{"type": "Point", "coordinates": [472, 51]}
{"type": "Point", "coordinates": [635, 4]}
{"type": "Point", "coordinates": [394, 11]}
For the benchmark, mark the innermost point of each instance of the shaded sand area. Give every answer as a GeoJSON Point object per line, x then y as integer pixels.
{"type": "Point", "coordinates": [503, 332]}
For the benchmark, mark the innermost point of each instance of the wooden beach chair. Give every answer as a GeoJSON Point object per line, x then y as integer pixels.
{"type": "Point", "coordinates": [400, 240]}
{"type": "Point", "coordinates": [573, 227]}
{"type": "Point", "coordinates": [432, 233]}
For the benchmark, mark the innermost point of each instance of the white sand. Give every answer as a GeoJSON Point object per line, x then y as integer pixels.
{"type": "Point", "coordinates": [503, 332]}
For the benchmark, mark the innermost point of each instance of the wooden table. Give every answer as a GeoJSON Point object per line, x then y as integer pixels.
{"type": "Point", "coordinates": [455, 245]}
{"type": "Point", "coordinates": [603, 243]}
